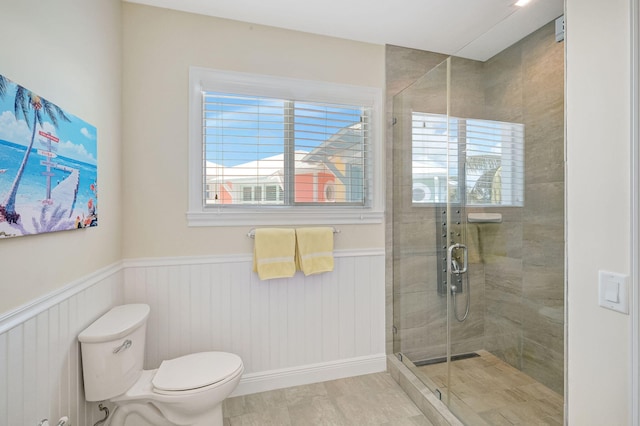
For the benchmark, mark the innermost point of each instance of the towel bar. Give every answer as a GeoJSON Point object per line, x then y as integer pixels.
{"type": "Point", "coordinates": [252, 232]}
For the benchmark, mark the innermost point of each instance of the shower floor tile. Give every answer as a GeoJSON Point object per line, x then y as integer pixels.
{"type": "Point", "coordinates": [487, 391]}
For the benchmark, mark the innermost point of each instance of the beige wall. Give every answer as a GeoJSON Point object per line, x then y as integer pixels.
{"type": "Point", "coordinates": [159, 47]}
{"type": "Point", "coordinates": [68, 52]}
{"type": "Point", "coordinates": [598, 207]}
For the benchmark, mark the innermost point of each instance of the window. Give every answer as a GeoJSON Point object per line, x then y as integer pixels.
{"type": "Point", "coordinates": [247, 194]}
{"type": "Point", "coordinates": [299, 147]}
{"type": "Point", "coordinates": [273, 193]}
{"type": "Point", "coordinates": [267, 150]}
{"type": "Point", "coordinates": [482, 159]}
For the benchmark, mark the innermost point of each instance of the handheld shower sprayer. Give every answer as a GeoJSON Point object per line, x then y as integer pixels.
{"type": "Point", "coordinates": [455, 266]}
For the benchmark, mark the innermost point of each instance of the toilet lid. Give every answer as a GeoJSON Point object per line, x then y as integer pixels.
{"type": "Point", "coordinates": [195, 370]}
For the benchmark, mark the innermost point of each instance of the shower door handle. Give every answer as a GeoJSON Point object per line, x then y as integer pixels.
{"type": "Point", "coordinates": [465, 263]}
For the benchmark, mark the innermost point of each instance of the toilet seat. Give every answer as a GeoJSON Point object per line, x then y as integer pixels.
{"type": "Point", "coordinates": [196, 371]}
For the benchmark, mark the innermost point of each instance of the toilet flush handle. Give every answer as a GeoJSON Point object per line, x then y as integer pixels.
{"type": "Point", "coordinates": [125, 345]}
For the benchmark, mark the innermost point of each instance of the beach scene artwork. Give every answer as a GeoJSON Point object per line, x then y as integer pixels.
{"type": "Point", "coordinates": [48, 166]}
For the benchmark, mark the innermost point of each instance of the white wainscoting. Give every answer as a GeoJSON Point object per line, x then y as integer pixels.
{"type": "Point", "coordinates": [288, 331]}
{"type": "Point", "coordinates": [40, 369]}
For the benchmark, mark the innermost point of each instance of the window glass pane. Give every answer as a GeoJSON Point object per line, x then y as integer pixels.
{"type": "Point", "coordinates": [332, 138]}
{"type": "Point", "coordinates": [317, 150]}
{"type": "Point", "coordinates": [243, 145]}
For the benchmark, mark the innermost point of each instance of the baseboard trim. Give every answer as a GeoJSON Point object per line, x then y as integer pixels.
{"type": "Point", "coordinates": [313, 373]}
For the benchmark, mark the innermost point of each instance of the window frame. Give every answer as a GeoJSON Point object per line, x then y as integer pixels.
{"type": "Point", "coordinates": [199, 214]}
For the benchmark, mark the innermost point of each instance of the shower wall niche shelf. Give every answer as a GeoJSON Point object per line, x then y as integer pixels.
{"type": "Point", "coordinates": [484, 217]}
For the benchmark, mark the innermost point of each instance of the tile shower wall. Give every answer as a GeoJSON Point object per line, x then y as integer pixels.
{"type": "Point", "coordinates": [529, 303]}
{"type": "Point", "coordinates": [40, 369]}
{"type": "Point", "coordinates": [517, 266]}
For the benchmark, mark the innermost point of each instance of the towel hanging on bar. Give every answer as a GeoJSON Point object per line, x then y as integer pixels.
{"type": "Point", "coordinates": [314, 250]}
{"type": "Point", "coordinates": [274, 253]}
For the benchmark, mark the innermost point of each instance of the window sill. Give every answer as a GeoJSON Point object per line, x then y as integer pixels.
{"type": "Point", "coordinates": [242, 217]}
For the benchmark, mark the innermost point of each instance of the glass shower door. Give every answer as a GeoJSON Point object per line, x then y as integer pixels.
{"type": "Point", "coordinates": [441, 165]}
{"type": "Point", "coordinates": [421, 218]}
{"type": "Point", "coordinates": [478, 275]}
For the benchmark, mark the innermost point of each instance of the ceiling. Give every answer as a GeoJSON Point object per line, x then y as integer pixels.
{"type": "Point", "coordinates": [475, 29]}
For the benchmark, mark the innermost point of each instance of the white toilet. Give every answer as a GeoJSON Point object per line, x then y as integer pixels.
{"type": "Point", "coordinates": [187, 390]}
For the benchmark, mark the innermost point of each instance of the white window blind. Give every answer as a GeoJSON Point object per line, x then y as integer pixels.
{"type": "Point", "coordinates": [482, 159]}
{"type": "Point", "coordinates": [269, 151]}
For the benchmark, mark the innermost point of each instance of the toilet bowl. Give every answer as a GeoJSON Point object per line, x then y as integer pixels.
{"type": "Point", "coordinates": [188, 390]}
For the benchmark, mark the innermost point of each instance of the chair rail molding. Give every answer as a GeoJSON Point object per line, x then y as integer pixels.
{"type": "Point", "coordinates": [21, 314]}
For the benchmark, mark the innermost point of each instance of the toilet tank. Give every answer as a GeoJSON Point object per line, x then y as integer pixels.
{"type": "Point", "coordinates": [113, 351]}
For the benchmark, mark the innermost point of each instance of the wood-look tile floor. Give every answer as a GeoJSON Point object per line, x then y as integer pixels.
{"type": "Point", "coordinates": [488, 391]}
{"type": "Point", "coordinates": [372, 399]}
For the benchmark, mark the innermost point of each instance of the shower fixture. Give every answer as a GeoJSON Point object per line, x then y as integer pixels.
{"type": "Point", "coordinates": [461, 277]}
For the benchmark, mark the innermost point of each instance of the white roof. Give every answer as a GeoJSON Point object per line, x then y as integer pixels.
{"type": "Point", "coordinates": [264, 168]}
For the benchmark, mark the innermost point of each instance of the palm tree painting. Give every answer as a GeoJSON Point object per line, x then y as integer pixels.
{"type": "Point", "coordinates": [48, 166]}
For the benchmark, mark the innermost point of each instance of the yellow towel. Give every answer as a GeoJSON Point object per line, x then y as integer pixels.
{"type": "Point", "coordinates": [274, 253]}
{"type": "Point", "coordinates": [314, 250]}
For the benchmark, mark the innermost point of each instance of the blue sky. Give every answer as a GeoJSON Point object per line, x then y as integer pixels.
{"type": "Point", "coordinates": [78, 139]}
{"type": "Point", "coordinates": [252, 128]}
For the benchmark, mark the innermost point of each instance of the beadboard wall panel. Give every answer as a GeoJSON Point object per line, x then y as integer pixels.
{"type": "Point", "coordinates": [40, 368]}
{"type": "Point", "coordinates": [287, 331]}
{"type": "Point", "coordinates": [321, 323]}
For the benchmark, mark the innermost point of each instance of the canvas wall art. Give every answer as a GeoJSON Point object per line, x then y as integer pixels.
{"type": "Point", "coordinates": [48, 165]}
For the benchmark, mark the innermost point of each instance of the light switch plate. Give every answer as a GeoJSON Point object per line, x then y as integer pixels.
{"type": "Point", "coordinates": [613, 291]}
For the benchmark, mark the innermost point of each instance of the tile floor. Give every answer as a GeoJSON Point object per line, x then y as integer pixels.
{"type": "Point", "coordinates": [485, 391]}
{"type": "Point", "coordinates": [488, 391]}
{"type": "Point", "coordinates": [372, 399]}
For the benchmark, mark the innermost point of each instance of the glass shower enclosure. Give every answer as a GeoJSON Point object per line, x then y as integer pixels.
{"type": "Point", "coordinates": [478, 233]}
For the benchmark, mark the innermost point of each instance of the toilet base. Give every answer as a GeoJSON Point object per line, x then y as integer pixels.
{"type": "Point", "coordinates": [201, 408]}
{"type": "Point", "coordinates": [148, 415]}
